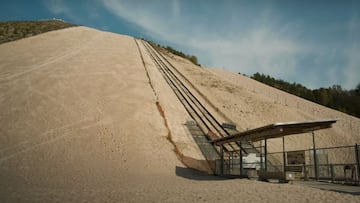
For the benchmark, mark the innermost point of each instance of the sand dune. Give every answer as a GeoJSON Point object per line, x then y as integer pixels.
{"type": "Point", "coordinates": [79, 122]}
{"type": "Point", "coordinates": [251, 104]}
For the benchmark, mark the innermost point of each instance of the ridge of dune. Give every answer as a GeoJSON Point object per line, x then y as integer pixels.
{"type": "Point", "coordinates": [79, 121]}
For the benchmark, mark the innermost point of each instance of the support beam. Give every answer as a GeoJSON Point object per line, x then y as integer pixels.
{"type": "Point", "coordinates": [265, 152]}
{"type": "Point", "coordinates": [332, 172]}
{"type": "Point", "coordinates": [357, 155]}
{"type": "Point", "coordinates": [261, 157]}
{"type": "Point", "coordinates": [315, 158]}
{"type": "Point", "coordinates": [241, 164]}
{"type": "Point", "coordinates": [284, 155]}
{"type": "Point", "coordinates": [221, 160]}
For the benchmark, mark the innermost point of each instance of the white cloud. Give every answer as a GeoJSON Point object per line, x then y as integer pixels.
{"type": "Point", "coordinates": [175, 8]}
{"type": "Point", "coordinates": [352, 69]}
{"type": "Point", "coordinates": [57, 6]}
{"type": "Point", "coordinates": [136, 14]}
{"type": "Point", "coordinates": [260, 43]}
{"type": "Point", "coordinates": [261, 47]}
{"type": "Point", "coordinates": [82, 14]}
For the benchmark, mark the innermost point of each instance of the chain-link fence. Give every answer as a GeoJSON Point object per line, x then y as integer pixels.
{"type": "Point", "coordinates": [332, 163]}
{"type": "Point", "coordinates": [240, 163]}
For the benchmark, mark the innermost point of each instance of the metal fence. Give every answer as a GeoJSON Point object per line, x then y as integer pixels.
{"type": "Point", "coordinates": [331, 163]}
{"type": "Point", "coordinates": [239, 163]}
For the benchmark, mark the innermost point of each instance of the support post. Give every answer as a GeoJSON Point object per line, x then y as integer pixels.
{"type": "Point", "coordinates": [315, 158]}
{"type": "Point", "coordinates": [241, 163]}
{"type": "Point", "coordinates": [284, 155]}
{"type": "Point", "coordinates": [357, 156]}
{"type": "Point", "coordinates": [261, 157]}
{"type": "Point", "coordinates": [332, 172]}
{"type": "Point", "coordinates": [231, 162]}
{"type": "Point", "coordinates": [305, 173]}
{"type": "Point", "coordinates": [265, 152]}
{"type": "Point", "coordinates": [221, 160]}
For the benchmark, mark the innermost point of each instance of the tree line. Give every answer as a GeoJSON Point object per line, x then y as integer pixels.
{"type": "Point", "coordinates": [15, 30]}
{"type": "Point", "coordinates": [347, 101]}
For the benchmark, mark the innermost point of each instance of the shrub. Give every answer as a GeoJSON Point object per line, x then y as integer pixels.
{"type": "Point", "coordinates": [15, 30]}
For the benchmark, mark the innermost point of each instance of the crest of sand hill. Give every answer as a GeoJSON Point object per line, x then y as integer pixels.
{"type": "Point", "coordinates": [80, 94]}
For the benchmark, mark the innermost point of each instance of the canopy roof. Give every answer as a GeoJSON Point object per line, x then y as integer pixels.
{"type": "Point", "coordinates": [276, 130]}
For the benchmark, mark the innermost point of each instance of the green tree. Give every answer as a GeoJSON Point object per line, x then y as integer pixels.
{"type": "Point", "coordinates": [347, 101]}
{"type": "Point", "coordinates": [194, 59]}
{"type": "Point", "coordinates": [357, 90]}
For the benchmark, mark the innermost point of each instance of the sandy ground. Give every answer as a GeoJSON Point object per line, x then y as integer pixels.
{"type": "Point", "coordinates": [79, 123]}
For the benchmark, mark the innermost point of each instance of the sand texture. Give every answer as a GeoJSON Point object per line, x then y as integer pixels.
{"type": "Point", "coordinates": [250, 104]}
{"type": "Point", "coordinates": [83, 120]}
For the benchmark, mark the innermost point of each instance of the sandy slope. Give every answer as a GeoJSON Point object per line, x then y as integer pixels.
{"type": "Point", "coordinates": [78, 122]}
{"type": "Point", "coordinates": [251, 104]}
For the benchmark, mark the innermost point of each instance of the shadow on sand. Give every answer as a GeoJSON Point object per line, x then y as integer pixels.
{"type": "Point", "coordinates": [346, 189]}
{"type": "Point", "coordinates": [193, 174]}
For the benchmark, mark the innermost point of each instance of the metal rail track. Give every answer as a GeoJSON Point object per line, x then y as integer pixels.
{"type": "Point", "coordinates": [205, 120]}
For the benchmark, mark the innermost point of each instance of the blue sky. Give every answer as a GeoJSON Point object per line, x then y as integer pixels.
{"type": "Point", "coordinates": [315, 43]}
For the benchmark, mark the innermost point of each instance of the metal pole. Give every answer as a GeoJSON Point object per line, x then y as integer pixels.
{"type": "Point", "coordinates": [305, 172]}
{"type": "Point", "coordinates": [221, 160]}
{"type": "Point", "coordinates": [241, 165]}
{"type": "Point", "coordinates": [284, 155]}
{"type": "Point", "coordinates": [231, 162]}
{"type": "Point", "coordinates": [265, 152]}
{"type": "Point", "coordinates": [332, 172]}
{"type": "Point", "coordinates": [261, 157]}
{"type": "Point", "coordinates": [315, 158]}
{"type": "Point", "coordinates": [357, 156]}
